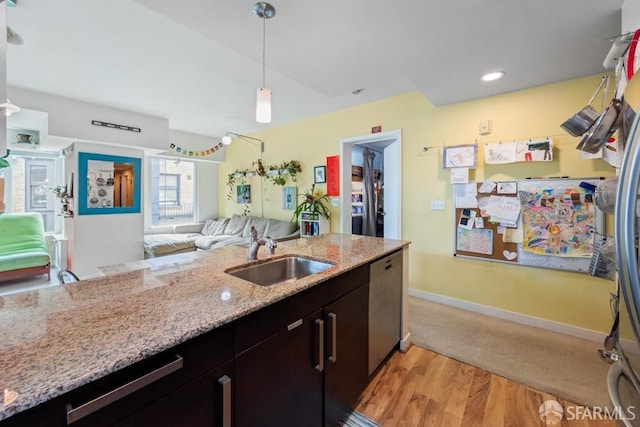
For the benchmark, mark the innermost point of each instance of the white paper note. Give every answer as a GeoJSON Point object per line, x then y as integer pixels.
{"type": "Point", "coordinates": [465, 195]}
{"type": "Point", "coordinates": [459, 175]}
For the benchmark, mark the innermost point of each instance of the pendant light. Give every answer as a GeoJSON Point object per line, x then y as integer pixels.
{"type": "Point", "coordinates": [263, 99]}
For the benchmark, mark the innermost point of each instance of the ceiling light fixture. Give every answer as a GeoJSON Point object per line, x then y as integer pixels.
{"type": "Point", "coordinates": [263, 99]}
{"type": "Point", "coordinates": [227, 140]}
{"type": "Point", "coordinates": [9, 108]}
{"type": "Point", "coordinates": [489, 77]}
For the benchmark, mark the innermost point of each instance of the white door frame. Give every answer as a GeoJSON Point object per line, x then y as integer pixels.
{"type": "Point", "coordinates": [394, 231]}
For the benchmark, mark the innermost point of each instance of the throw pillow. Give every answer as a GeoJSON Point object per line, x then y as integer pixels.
{"type": "Point", "coordinates": [213, 227]}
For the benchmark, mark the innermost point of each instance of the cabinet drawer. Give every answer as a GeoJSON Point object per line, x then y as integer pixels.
{"type": "Point", "coordinates": [256, 327]}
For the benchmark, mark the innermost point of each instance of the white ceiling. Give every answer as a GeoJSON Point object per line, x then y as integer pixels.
{"type": "Point", "coordinates": [199, 63]}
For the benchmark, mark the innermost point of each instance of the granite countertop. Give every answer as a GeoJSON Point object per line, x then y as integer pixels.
{"type": "Point", "coordinates": [58, 338]}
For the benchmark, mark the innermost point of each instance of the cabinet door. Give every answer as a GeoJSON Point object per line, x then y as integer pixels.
{"type": "Point", "coordinates": [204, 402]}
{"type": "Point", "coordinates": [346, 374]}
{"type": "Point", "coordinates": [279, 381]}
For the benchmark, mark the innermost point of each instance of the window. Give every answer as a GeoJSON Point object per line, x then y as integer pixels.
{"type": "Point", "coordinates": [173, 191]}
{"type": "Point", "coordinates": [31, 179]}
{"type": "Point", "coordinates": [169, 191]}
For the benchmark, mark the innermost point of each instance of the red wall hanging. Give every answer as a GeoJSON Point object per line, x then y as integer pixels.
{"type": "Point", "coordinates": [333, 175]}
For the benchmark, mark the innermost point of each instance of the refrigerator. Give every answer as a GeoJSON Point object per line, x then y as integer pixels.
{"type": "Point", "coordinates": [623, 378]}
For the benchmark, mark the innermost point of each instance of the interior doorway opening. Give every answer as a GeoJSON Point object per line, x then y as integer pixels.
{"type": "Point", "coordinates": [389, 190]}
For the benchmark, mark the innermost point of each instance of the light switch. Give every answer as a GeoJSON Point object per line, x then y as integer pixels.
{"type": "Point", "coordinates": [437, 205]}
{"type": "Point", "coordinates": [335, 201]}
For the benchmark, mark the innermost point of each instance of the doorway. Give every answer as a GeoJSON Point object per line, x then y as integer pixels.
{"type": "Point", "coordinates": [389, 143]}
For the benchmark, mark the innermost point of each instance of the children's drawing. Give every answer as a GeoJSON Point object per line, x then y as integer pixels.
{"type": "Point", "coordinates": [478, 240]}
{"type": "Point", "coordinates": [559, 222]}
{"type": "Point", "coordinates": [459, 156]}
{"type": "Point", "coordinates": [500, 153]}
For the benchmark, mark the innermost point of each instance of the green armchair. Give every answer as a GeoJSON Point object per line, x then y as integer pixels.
{"type": "Point", "coordinates": [23, 249]}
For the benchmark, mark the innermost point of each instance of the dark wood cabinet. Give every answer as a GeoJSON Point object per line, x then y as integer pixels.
{"type": "Point", "coordinates": [295, 368]}
{"type": "Point", "coordinates": [346, 374]}
{"type": "Point", "coordinates": [204, 402]}
{"type": "Point", "coordinates": [278, 382]}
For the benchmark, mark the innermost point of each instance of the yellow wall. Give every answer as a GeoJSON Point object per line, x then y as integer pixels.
{"type": "Point", "coordinates": [570, 298]}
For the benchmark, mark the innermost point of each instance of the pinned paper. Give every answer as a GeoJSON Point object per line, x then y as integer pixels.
{"type": "Point", "coordinates": [459, 175]}
{"type": "Point", "coordinates": [507, 188]}
{"type": "Point", "coordinates": [465, 195]}
{"type": "Point", "coordinates": [479, 222]}
{"type": "Point", "coordinates": [504, 209]}
{"type": "Point", "coordinates": [467, 219]}
{"type": "Point", "coordinates": [487, 187]}
{"type": "Point", "coordinates": [512, 235]}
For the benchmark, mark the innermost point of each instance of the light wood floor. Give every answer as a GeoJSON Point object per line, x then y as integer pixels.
{"type": "Point", "coordinates": [422, 388]}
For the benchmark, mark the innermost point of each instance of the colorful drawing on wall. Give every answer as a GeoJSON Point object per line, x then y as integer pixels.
{"type": "Point", "coordinates": [460, 156]}
{"type": "Point", "coordinates": [333, 176]}
{"type": "Point", "coordinates": [478, 240]}
{"type": "Point", "coordinates": [558, 222]}
{"type": "Point", "coordinates": [243, 193]}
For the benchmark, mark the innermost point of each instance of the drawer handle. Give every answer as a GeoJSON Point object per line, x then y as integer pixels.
{"type": "Point", "coordinates": [320, 330]}
{"type": "Point", "coordinates": [388, 266]}
{"type": "Point", "coordinates": [75, 414]}
{"type": "Point", "coordinates": [225, 382]}
{"type": "Point", "coordinates": [294, 325]}
{"type": "Point", "coordinates": [333, 352]}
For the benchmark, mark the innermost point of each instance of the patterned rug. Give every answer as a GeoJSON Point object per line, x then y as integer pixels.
{"type": "Point", "coordinates": [356, 419]}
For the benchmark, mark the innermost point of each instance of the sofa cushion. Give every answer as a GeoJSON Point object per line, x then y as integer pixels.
{"type": "Point", "coordinates": [214, 227]}
{"type": "Point", "coordinates": [277, 228]}
{"type": "Point", "coordinates": [259, 223]}
{"type": "Point", "coordinates": [24, 259]}
{"type": "Point", "coordinates": [232, 241]}
{"type": "Point", "coordinates": [236, 224]}
{"type": "Point", "coordinates": [160, 244]}
{"type": "Point", "coordinates": [207, 242]}
{"type": "Point", "coordinates": [188, 228]}
{"type": "Point", "coordinates": [22, 232]}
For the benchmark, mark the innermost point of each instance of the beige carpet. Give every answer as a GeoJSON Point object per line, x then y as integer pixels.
{"type": "Point", "coordinates": [562, 365]}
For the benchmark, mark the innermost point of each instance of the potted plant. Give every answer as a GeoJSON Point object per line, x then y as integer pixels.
{"type": "Point", "coordinates": [315, 202]}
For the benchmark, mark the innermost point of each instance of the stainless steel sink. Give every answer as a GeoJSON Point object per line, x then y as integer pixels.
{"type": "Point", "coordinates": [279, 270]}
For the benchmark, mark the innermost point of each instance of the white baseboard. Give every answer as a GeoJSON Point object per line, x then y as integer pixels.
{"type": "Point", "coordinates": [511, 316]}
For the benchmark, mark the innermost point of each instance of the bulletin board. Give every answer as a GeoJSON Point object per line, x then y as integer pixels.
{"type": "Point", "coordinates": [546, 223]}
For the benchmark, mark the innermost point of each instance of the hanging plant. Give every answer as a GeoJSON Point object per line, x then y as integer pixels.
{"type": "Point", "coordinates": [277, 174]}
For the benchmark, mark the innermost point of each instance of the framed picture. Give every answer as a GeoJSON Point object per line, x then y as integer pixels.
{"type": "Point", "coordinates": [289, 198]}
{"type": "Point", "coordinates": [108, 184]}
{"type": "Point", "coordinates": [243, 193]}
{"type": "Point", "coordinates": [319, 174]}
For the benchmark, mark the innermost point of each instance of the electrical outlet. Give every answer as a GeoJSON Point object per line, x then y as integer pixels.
{"type": "Point", "coordinates": [335, 201]}
{"type": "Point", "coordinates": [437, 205]}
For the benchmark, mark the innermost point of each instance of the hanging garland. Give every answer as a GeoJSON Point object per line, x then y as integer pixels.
{"type": "Point", "coordinates": [192, 153]}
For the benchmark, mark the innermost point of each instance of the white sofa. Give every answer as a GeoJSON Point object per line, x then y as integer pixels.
{"type": "Point", "coordinates": [214, 233]}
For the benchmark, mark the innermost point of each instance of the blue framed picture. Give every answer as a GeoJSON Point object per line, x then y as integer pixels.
{"type": "Point", "coordinates": [108, 184]}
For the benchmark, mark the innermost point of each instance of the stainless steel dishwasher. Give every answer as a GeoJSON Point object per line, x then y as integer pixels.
{"type": "Point", "coordinates": [385, 301]}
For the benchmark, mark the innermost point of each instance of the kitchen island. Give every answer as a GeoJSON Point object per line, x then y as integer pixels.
{"type": "Point", "coordinates": [58, 339]}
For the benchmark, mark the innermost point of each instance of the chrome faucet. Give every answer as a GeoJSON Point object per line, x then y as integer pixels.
{"type": "Point", "coordinates": [255, 243]}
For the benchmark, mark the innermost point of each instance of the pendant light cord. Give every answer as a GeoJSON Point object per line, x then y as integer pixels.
{"type": "Point", "coordinates": [264, 49]}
